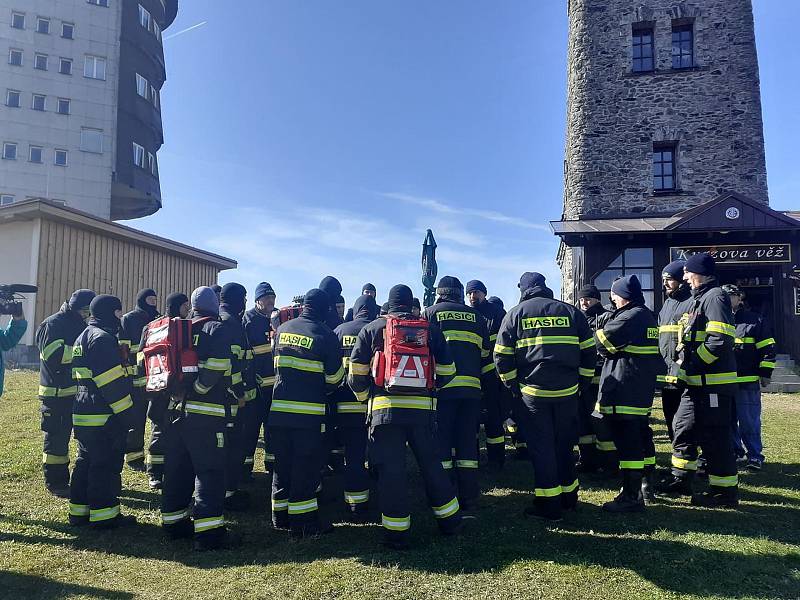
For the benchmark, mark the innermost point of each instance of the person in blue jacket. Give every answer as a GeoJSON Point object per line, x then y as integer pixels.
{"type": "Point", "coordinates": [10, 337]}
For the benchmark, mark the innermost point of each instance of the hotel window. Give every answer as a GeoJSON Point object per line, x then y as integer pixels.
{"type": "Point", "coordinates": [92, 140]}
{"type": "Point", "coordinates": [151, 163]}
{"type": "Point", "coordinates": [40, 62]}
{"type": "Point", "coordinates": [65, 66]}
{"type": "Point", "coordinates": [13, 98]}
{"type": "Point", "coordinates": [42, 25]}
{"type": "Point", "coordinates": [18, 20]}
{"type": "Point", "coordinates": [144, 17]}
{"type": "Point", "coordinates": [36, 154]}
{"type": "Point", "coordinates": [60, 158]}
{"type": "Point", "coordinates": [6, 199]}
{"type": "Point", "coordinates": [63, 106]}
{"type": "Point", "coordinates": [142, 86]}
{"type": "Point", "coordinates": [682, 46]}
{"type": "Point", "coordinates": [633, 261]}
{"type": "Point", "coordinates": [15, 57]}
{"type": "Point", "coordinates": [9, 151]}
{"type": "Point", "coordinates": [664, 176]}
{"type": "Point", "coordinates": [643, 50]}
{"type": "Point", "coordinates": [138, 155]}
{"type": "Point", "coordinates": [94, 67]}
{"type": "Point", "coordinates": [68, 31]}
{"type": "Point", "coordinates": [39, 102]}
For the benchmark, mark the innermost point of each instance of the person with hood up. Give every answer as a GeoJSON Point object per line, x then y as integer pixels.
{"type": "Point", "coordinates": [366, 290]}
{"type": "Point", "coordinates": [401, 419]}
{"type": "Point", "coordinates": [544, 354]}
{"type": "Point", "coordinates": [333, 289]}
{"type": "Point", "coordinates": [628, 340]}
{"type": "Point", "coordinates": [459, 401]}
{"type": "Point", "coordinates": [102, 416]}
{"type": "Point", "coordinates": [130, 336]}
{"type": "Point", "coordinates": [351, 421]}
{"type": "Point", "coordinates": [308, 368]}
{"type": "Point", "coordinates": [193, 497]}
{"type": "Point", "coordinates": [55, 339]}
{"type": "Point", "coordinates": [242, 391]}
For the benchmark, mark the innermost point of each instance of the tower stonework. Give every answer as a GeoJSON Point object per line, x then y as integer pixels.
{"type": "Point", "coordinates": [623, 109]}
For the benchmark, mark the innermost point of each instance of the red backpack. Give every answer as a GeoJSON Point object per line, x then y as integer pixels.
{"type": "Point", "coordinates": [169, 355]}
{"type": "Point", "coordinates": [405, 364]}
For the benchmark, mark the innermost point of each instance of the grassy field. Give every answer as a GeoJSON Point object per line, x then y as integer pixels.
{"type": "Point", "coordinates": [672, 551]}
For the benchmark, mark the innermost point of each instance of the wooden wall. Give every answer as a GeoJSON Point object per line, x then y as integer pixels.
{"type": "Point", "coordinates": [72, 258]}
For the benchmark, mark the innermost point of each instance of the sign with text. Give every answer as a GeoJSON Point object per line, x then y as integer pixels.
{"type": "Point", "coordinates": [745, 253]}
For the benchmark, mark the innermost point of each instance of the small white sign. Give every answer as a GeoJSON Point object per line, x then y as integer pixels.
{"type": "Point", "coordinates": [732, 213]}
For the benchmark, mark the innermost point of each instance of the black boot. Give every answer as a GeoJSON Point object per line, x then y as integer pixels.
{"type": "Point", "coordinates": [59, 490]}
{"type": "Point", "coordinates": [649, 484]}
{"type": "Point", "coordinates": [630, 498]}
{"type": "Point", "coordinates": [716, 497]}
{"type": "Point", "coordinates": [239, 501]}
{"type": "Point", "coordinates": [674, 485]}
{"type": "Point", "coordinates": [216, 539]}
{"type": "Point", "coordinates": [118, 521]}
{"type": "Point", "coordinates": [180, 530]}
{"type": "Point", "coordinates": [310, 530]}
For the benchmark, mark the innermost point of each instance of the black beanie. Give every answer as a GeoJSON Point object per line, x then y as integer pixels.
{"type": "Point", "coordinates": [475, 286]}
{"type": "Point", "coordinates": [701, 264]}
{"type": "Point", "coordinates": [80, 299]}
{"type": "Point", "coordinates": [530, 280]}
{"type": "Point", "coordinates": [141, 298]}
{"type": "Point", "coordinates": [385, 308]}
{"type": "Point", "coordinates": [340, 300]}
{"type": "Point", "coordinates": [628, 287]}
{"type": "Point", "coordinates": [331, 286]}
{"type": "Point", "coordinates": [368, 287]}
{"type": "Point", "coordinates": [450, 288]}
{"type": "Point", "coordinates": [316, 303]}
{"type": "Point", "coordinates": [400, 299]}
{"type": "Point", "coordinates": [589, 291]}
{"type": "Point", "coordinates": [233, 295]}
{"type": "Point", "coordinates": [674, 270]}
{"type": "Point", "coordinates": [174, 303]}
{"type": "Point", "coordinates": [496, 301]}
{"type": "Point", "coordinates": [415, 303]}
{"type": "Point", "coordinates": [365, 304]}
{"type": "Point", "coordinates": [263, 289]}
{"type": "Point", "coordinates": [102, 310]}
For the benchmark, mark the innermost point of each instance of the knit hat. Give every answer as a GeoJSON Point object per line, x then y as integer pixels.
{"type": "Point", "coordinates": [331, 286]}
{"type": "Point", "coordinates": [496, 301]}
{"type": "Point", "coordinates": [475, 286]}
{"type": "Point", "coordinates": [365, 304]}
{"type": "Point", "coordinates": [174, 303]}
{"type": "Point", "coordinates": [400, 299]}
{"type": "Point", "coordinates": [674, 270]}
{"type": "Point", "coordinates": [700, 264]}
{"type": "Point", "coordinates": [385, 308]}
{"type": "Point", "coordinates": [316, 303]}
{"type": "Point", "coordinates": [340, 300]}
{"type": "Point", "coordinates": [589, 291]}
{"type": "Point", "coordinates": [103, 310]}
{"type": "Point", "coordinates": [264, 289]}
{"type": "Point", "coordinates": [233, 296]}
{"type": "Point", "coordinates": [531, 280]}
{"type": "Point", "coordinates": [141, 302]}
{"type": "Point", "coordinates": [368, 287]}
{"type": "Point", "coordinates": [204, 300]}
{"type": "Point", "coordinates": [415, 303]}
{"type": "Point", "coordinates": [627, 287]}
{"type": "Point", "coordinates": [450, 288]}
{"type": "Point", "coordinates": [81, 299]}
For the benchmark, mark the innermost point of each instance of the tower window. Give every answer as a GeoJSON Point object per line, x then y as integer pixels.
{"type": "Point", "coordinates": [18, 20]}
{"type": "Point", "coordinates": [12, 98]}
{"type": "Point", "coordinates": [63, 106]}
{"type": "Point", "coordinates": [664, 167]}
{"type": "Point", "coordinates": [10, 151]}
{"type": "Point", "coordinates": [642, 50]}
{"type": "Point", "coordinates": [40, 62]}
{"type": "Point", "coordinates": [68, 31]}
{"type": "Point", "coordinates": [42, 25]}
{"type": "Point", "coordinates": [65, 66]}
{"type": "Point", "coordinates": [682, 46]}
{"type": "Point", "coordinates": [60, 158]}
{"type": "Point", "coordinates": [15, 57]}
{"type": "Point", "coordinates": [39, 102]}
{"type": "Point", "coordinates": [36, 154]}
{"type": "Point", "coordinates": [633, 261]}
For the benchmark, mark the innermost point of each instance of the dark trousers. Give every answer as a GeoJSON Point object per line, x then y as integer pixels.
{"type": "Point", "coordinates": [670, 400]}
{"type": "Point", "coordinates": [747, 422]}
{"type": "Point", "coordinates": [704, 419]}
{"type": "Point", "coordinates": [493, 417]}
{"type": "Point", "coordinates": [299, 452]}
{"type": "Point", "coordinates": [234, 453]}
{"type": "Point", "coordinates": [634, 441]}
{"type": "Point", "coordinates": [56, 424]}
{"type": "Point", "coordinates": [457, 426]}
{"type": "Point", "coordinates": [551, 429]}
{"type": "Point", "coordinates": [194, 465]}
{"type": "Point", "coordinates": [157, 413]}
{"type": "Point", "coordinates": [587, 438]}
{"type": "Point", "coordinates": [356, 476]}
{"type": "Point", "coordinates": [96, 478]}
{"type": "Point", "coordinates": [134, 448]}
{"type": "Point", "coordinates": [387, 455]}
{"type": "Point", "coordinates": [252, 416]}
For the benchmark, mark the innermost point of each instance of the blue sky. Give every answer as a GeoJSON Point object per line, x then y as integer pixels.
{"type": "Point", "coordinates": [313, 138]}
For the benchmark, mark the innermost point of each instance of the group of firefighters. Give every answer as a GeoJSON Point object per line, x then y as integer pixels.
{"type": "Point", "coordinates": [548, 374]}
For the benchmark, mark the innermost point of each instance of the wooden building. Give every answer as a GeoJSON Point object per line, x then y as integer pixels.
{"type": "Point", "coordinates": [60, 249]}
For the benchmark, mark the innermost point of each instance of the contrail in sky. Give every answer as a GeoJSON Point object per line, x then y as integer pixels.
{"type": "Point", "coordinates": [182, 31]}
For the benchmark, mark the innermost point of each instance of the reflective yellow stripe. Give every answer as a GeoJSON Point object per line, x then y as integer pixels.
{"type": "Point", "coordinates": [446, 510]}
{"type": "Point", "coordinates": [250, 395]}
{"type": "Point", "coordinates": [496, 440]}
{"type": "Point", "coordinates": [121, 404]}
{"type": "Point", "coordinates": [396, 523]}
{"type": "Point", "coordinates": [566, 489]}
{"type": "Point", "coordinates": [548, 492]}
{"type": "Point", "coordinates": [748, 379]}
{"type": "Point", "coordinates": [50, 349]}
{"type": "Point", "coordinates": [766, 342]}
{"type": "Point", "coordinates": [487, 368]}
{"type": "Point", "coordinates": [587, 439]}
{"type": "Point", "coordinates": [81, 373]}
{"type": "Point", "coordinates": [718, 481]}
{"type": "Point", "coordinates": [467, 464]}
{"type": "Point", "coordinates": [301, 364]}
{"type": "Point", "coordinates": [601, 335]}
{"type": "Point", "coordinates": [305, 506]}
{"type": "Point", "coordinates": [605, 446]}
{"type": "Point", "coordinates": [631, 349]}
{"type": "Point", "coordinates": [68, 391]}
{"type": "Point", "coordinates": [351, 407]}
{"type": "Point", "coordinates": [208, 523]}
{"type": "Point", "coordinates": [464, 381]}
{"type": "Point", "coordinates": [262, 349]}
{"type": "Point", "coordinates": [588, 343]}
{"type": "Point", "coordinates": [353, 498]}
{"type": "Point", "coordinates": [112, 374]}
{"type": "Point", "coordinates": [454, 335]}
{"type": "Point", "coordinates": [236, 378]}
{"type": "Point", "coordinates": [745, 340]}
{"type": "Point", "coordinates": [668, 329]}
{"type": "Point", "coordinates": [720, 378]}
{"type": "Point", "coordinates": [766, 364]}
{"type": "Point", "coordinates": [279, 505]}
{"type": "Point", "coordinates": [508, 376]}
{"type": "Point", "coordinates": [362, 396]}
{"type": "Point", "coordinates": [103, 514]}
{"type": "Point", "coordinates": [336, 377]}
{"type": "Point", "coordinates": [298, 407]}
{"type": "Point", "coordinates": [415, 402]}
{"type": "Point", "coordinates": [631, 464]}
{"type": "Point", "coordinates": [500, 349]}
{"type": "Point", "coordinates": [200, 388]}
{"type": "Point", "coordinates": [78, 510]}
{"type": "Point", "coordinates": [721, 328]}
{"type": "Point", "coordinates": [216, 364]}
{"type": "Point", "coordinates": [706, 356]}
{"type": "Point", "coordinates": [649, 460]}
{"type": "Point", "coordinates": [205, 408]}
{"type": "Point", "coordinates": [699, 336]}
{"type": "Point", "coordinates": [625, 410]}
{"type": "Point", "coordinates": [47, 392]}
{"type": "Point", "coordinates": [585, 372]}
{"type": "Point", "coordinates": [540, 340]}
{"type": "Point", "coordinates": [358, 368]}
{"type": "Point", "coordinates": [532, 390]}
{"type": "Point", "coordinates": [446, 370]}
{"type": "Point", "coordinates": [167, 518]}
{"type": "Point", "coordinates": [684, 464]}
{"type": "Point", "coordinates": [54, 459]}
{"type": "Point", "coordinates": [79, 420]}
{"type": "Point", "coordinates": [493, 337]}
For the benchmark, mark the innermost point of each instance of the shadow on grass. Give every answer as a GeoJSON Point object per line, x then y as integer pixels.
{"type": "Point", "coordinates": [19, 585]}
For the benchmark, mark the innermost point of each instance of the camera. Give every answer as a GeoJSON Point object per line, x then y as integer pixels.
{"type": "Point", "coordinates": [11, 299]}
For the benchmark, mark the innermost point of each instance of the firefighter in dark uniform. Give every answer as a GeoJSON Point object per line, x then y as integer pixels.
{"type": "Point", "coordinates": [708, 368]}
{"type": "Point", "coordinates": [101, 419]}
{"type": "Point", "coordinates": [333, 289]}
{"type": "Point", "coordinates": [544, 354]}
{"type": "Point", "coordinates": [55, 338]}
{"type": "Point", "coordinates": [755, 360]}
{"type": "Point", "coordinates": [494, 403]}
{"type": "Point", "coordinates": [399, 419]}
{"type": "Point", "coordinates": [628, 340]}
{"type": "Point", "coordinates": [130, 334]}
{"type": "Point", "coordinates": [193, 496]}
{"type": "Point", "coordinates": [594, 452]}
{"type": "Point", "coordinates": [242, 392]}
{"type": "Point", "coordinates": [678, 302]}
{"type": "Point", "coordinates": [178, 307]}
{"type": "Point", "coordinates": [258, 328]}
{"type": "Point", "coordinates": [351, 414]}
{"type": "Point", "coordinates": [367, 290]}
{"type": "Point", "coordinates": [459, 401]}
{"type": "Point", "coordinates": [308, 367]}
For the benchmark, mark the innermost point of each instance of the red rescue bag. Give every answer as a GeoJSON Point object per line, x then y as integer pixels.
{"type": "Point", "coordinates": [405, 364]}
{"type": "Point", "coordinates": [169, 355]}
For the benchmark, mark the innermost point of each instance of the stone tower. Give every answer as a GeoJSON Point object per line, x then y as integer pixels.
{"type": "Point", "coordinates": [663, 109]}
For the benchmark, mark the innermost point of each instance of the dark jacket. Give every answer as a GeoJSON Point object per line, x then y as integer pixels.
{"type": "Point", "coordinates": [130, 338]}
{"type": "Point", "coordinates": [707, 354]}
{"type": "Point", "coordinates": [468, 339]}
{"type": "Point", "coordinates": [493, 390]}
{"type": "Point", "coordinates": [398, 409]}
{"type": "Point", "coordinates": [104, 390]}
{"type": "Point", "coordinates": [675, 307]}
{"type": "Point", "coordinates": [628, 341]}
{"type": "Point", "coordinates": [55, 338]}
{"type": "Point", "coordinates": [755, 346]}
{"type": "Point", "coordinates": [308, 367]}
{"type": "Point", "coordinates": [544, 348]}
{"type": "Point", "coordinates": [595, 317]}
{"type": "Point", "coordinates": [350, 412]}
{"type": "Point", "coordinates": [258, 329]}
{"type": "Point", "coordinates": [243, 381]}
